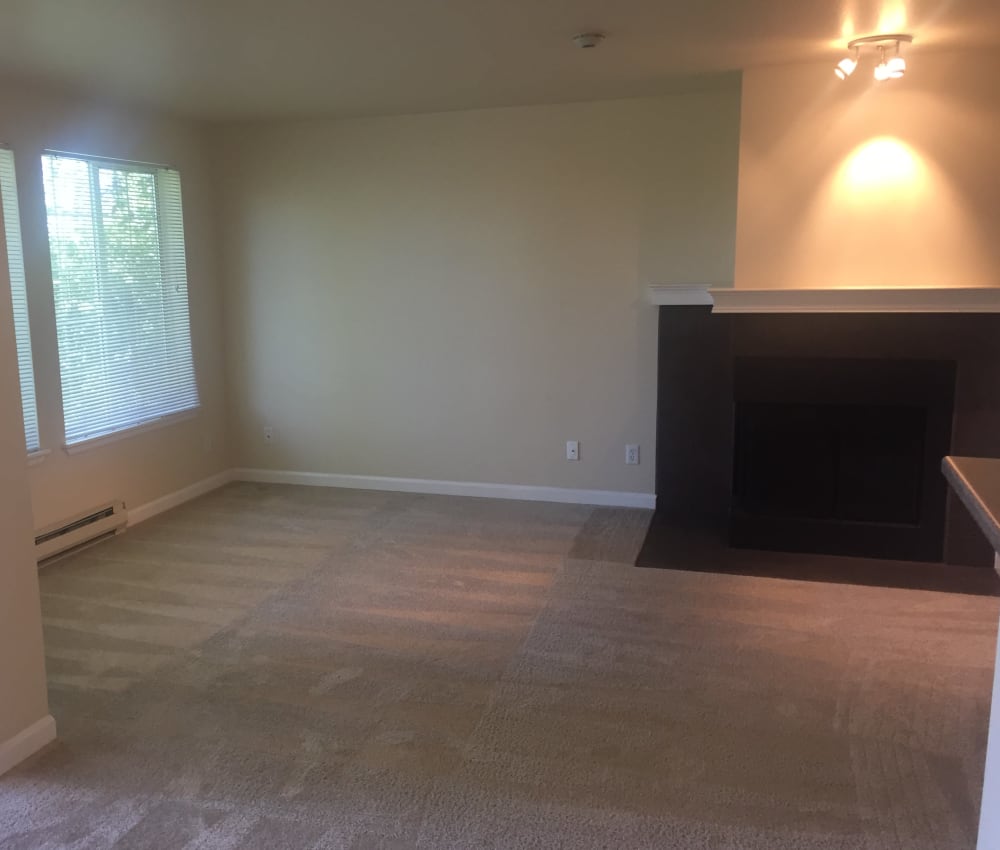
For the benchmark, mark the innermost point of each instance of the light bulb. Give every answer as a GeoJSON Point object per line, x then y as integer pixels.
{"type": "Point", "coordinates": [845, 67]}
{"type": "Point", "coordinates": [881, 70]}
{"type": "Point", "coordinates": [895, 68]}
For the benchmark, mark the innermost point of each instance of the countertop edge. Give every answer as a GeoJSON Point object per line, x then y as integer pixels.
{"type": "Point", "coordinates": [981, 513]}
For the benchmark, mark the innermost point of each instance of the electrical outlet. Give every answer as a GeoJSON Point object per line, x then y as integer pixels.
{"type": "Point", "coordinates": [631, 454]}
{"type": "Point", "coordinates": [268, 435]}
{"type": "Point", "coordinates": [572, 450]}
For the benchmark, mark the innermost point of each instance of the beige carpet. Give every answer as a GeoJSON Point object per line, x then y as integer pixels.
{"type": "Point", "coordinates": [278, 667]}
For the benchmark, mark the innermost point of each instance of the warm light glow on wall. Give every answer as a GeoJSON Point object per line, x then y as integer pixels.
{"type": "Point", "coordinates": [847, 28]}
{"type": "Point", "coordinates": [882, 163]}
{"type": "Point", "coordinates": [893, 16]}
{"type": "Point", "coordinates": [870, 184]}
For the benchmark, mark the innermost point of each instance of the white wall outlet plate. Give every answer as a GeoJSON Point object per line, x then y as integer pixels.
{"type": "Point", "coordinates": [572, 450]}
{"type": "Point", "coordinates": [268, 435]}
{"type": "Point", "coordinates": [632, 454]}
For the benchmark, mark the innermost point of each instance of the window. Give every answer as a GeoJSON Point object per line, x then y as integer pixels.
{"type": "Point", "coordinates": [116, 237]}
{"type": "Point", "coordinates": [19, 297]}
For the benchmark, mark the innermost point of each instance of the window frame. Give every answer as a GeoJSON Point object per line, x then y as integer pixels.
{"type": "Point", "coordinates": [165, 246]}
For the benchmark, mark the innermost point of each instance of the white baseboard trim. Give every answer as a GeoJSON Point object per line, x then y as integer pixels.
{"type": "Point", "coordinates": [607, 498]}
{"type": "Point", "coordinates": [26, 743]}
{"type": "Point", "coordinates": [178, 497]}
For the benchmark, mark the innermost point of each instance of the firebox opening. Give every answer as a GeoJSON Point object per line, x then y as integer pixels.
{"type": "Point", "coordinates": [859, 463]}
{"type": "Point", "coordinates": [840, 455]}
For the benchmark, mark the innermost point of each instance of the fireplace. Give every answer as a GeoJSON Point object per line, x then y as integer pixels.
{"type": "Point", "coordinates": [841, 455]}
{"type": "Point", "coordinates": [823, 432]}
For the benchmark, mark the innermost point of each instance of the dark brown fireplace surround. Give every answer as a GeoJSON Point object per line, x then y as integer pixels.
{"type": "Point", "coordinates": [824, 432]}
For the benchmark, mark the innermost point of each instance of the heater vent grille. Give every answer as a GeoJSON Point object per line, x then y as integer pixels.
{"type": "Point", "coordinates": [81, 530]}
{"type": "Point", "coordinates": [90, 519]}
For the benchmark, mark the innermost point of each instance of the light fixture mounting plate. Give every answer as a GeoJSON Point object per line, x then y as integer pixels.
{"type": "Point", "coordinates": [895, 38]}
{"type": "Point", "coordinates": [587, 40]}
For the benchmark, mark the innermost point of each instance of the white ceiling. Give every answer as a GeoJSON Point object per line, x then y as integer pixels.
{"type": "Point", "coordinates": [223, 59]}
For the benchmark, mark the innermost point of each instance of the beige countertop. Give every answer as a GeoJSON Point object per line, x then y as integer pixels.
{"type": "Point", "coordinates": [976, 481]}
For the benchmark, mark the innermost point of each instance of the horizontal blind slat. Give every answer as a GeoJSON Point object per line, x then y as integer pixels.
{"type": "Point", "coordinates": [19, 298]}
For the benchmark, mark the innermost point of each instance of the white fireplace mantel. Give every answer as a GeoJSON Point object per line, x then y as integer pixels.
{"type": "Point", "coordinates": [854, 300]}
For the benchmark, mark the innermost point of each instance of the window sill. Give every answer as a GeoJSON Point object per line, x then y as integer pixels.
{"type": "Point", "coordinates": [37, 456]}
{"type": "Point", "coordinates": [135, 430]}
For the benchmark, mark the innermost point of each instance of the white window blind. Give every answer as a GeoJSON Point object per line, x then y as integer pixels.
{"type": "Point", "coordinates": [19, 297]}
{"type": "Point", "coordinates": [116, 236]}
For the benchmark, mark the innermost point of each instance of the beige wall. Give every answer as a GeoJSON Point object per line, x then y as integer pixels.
{"type": "Point", "coordinates": [862, 184]}
{"type": "Point", "coordinates": [453, 296]}
{"type": "Point", "coordinates": [23, 699]}
{"type": "Point", "coordinates": [146, 466]}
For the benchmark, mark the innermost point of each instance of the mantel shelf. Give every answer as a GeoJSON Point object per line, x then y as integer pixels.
{"type": "Point", "coordinates": [858, 300]}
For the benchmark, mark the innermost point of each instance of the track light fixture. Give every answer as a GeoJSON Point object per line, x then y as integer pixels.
{"type": "Point", "coordinates": [887, 69]}
{"type": "Point", "coordinates": [845, 67]}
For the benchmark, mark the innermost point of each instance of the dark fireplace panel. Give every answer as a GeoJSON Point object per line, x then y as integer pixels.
{"type": "Point", "coordinates": [860, 463]}
{"type": "Point", "coordinates": [841, 455]}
